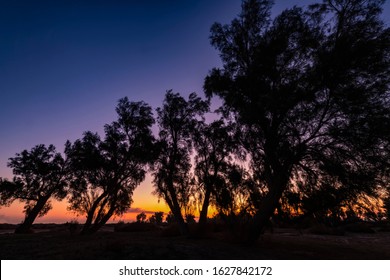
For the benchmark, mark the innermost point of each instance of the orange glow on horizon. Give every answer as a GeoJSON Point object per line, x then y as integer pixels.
{"type": "Point", "coordinates": [143, 199]}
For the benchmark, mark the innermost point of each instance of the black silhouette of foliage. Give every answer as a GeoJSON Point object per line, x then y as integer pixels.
{"type": "Point", "coordinates": [190, 219]}
{"type": "Point", "coordinates": [214, 147]}
{"type": "Point", "coordinates": [157, 218]}
{"type": "Point", "coordinates": [106, 172]}
{"type": "Point", "coordinates": [172, 180]}
{"type": "Point", "coordinates": [170, 219]}
{"type": "Point", "coordinates": [141, 217]}
{"type": "Point", "coordinates": [40, 175]}
{"type": "Point", "coordinates": [310, 89]}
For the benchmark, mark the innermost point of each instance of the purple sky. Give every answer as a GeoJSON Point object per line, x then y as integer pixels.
{"type": "Point", "coordinates": [63, 67]}
{"type": "Point", "coordinates": [65, 64]}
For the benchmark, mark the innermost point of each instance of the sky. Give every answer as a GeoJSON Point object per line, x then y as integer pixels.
{"type": "Point", "coordinates": [65, 64]}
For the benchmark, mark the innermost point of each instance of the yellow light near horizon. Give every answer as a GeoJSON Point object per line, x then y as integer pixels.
{"type": "Point", "coordinates": [143, 199]}
{"type": "Point", "coordinates": [58, 214]}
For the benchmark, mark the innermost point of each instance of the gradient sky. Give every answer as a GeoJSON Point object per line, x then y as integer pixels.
{"type": "Point", "coordinates": [65, 64]}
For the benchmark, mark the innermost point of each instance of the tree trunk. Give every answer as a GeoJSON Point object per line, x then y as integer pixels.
{"type": "Point", "coordinates": [264, 213]}
{"type": "Point", "coordinates": [179, 218]}
{"type": "Point", "coordinates": [25, 227]}
{"type": "Point", "coordinates": [277, 184]}
{"type": "Point", "coordinates": [91, 213]}
{"type": "Point", "coordinates": [175, 209]}
{"type": "Point", "coordinates": [98, 225]}
{"type": "Point", "coordinates": [205, 206]}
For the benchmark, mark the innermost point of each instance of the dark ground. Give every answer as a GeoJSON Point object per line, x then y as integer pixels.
{"type": "Point", "coordinates": [51, 242]}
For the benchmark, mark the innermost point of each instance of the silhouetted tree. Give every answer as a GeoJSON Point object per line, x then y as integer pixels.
{"type": "Point", "coordinates": [141, 217]}
{"type": "Point", "coordinates": [386, 206]}
{"type": "Point", "coordinates": [170, 219]}
{"type": "Point", "coordinates": [214, 146]}
{"type": "Point", "coordinates": [176, 120]}
{"type": "Point", "coordinates": [106, 172]}
{"type": "Point", "coordinates": [233, 197]}
{"type": "Point", "coordinates": [40, 175]}
{"type": "Point", "coordinates": [157, 218]}
{"type": "Point", "coordinates": [310, 90]}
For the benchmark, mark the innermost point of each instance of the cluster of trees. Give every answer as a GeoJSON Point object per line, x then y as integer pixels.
{"type": "Point", "coordinates": [158, 218]}
{"type": "Point", "coordinates": [304, 129]}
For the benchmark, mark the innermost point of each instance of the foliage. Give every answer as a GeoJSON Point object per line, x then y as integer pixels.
{"type": "Point", "coordinates": [170, 219]}
{"type": "Point", "coordinates": [214, 146]}
{"type": "Point", "coordinates": [157, 218]}
{"type": "Point", "coordinates": [310, 90]}
{"type": "Point", "coordinates": [190, 219]}
{"type": "Point", "coordinates": [141, 217]}
{"type": "Point", "coordinates": [176, 119]}
{"type": "Point", "coordinates": [40, 174]}
{"type": "Point", "coordinates": [304, 129]}
{"type": "Point", "coordinates": [106, 172]}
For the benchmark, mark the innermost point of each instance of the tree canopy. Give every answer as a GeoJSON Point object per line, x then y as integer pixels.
{"type": "Point", "coordinates": [40, 175]}
{"type": "Point", "coordinates": [177, 118]}
{"type": "Point", "coordinates": [106, 172]}
{"type": "Point", "coordinates": [310, 89]}
{"type": "Point", "coordinates": [304, 125]}
{"type": "Point", "coordinates": [214, 146]}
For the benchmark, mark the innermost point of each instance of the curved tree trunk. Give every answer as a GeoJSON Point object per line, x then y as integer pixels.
{"type": "Point", "coordinates": [91, 213]}
{"type": "Point", "coordinates": [99, 224]}
{"type": "Point", "coordinates": [263, 215]}
{"type": "Point", "coordinates": [277, 183]}
{"type": "Point", "coordinates": [25, 227]}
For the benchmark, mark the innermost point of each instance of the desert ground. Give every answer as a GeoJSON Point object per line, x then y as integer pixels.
{"type": "Point", "coordinates": [57, 242]}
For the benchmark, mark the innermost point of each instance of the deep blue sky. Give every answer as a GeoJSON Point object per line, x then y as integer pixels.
{"type": "Point", "coordinates": [64, 64]}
